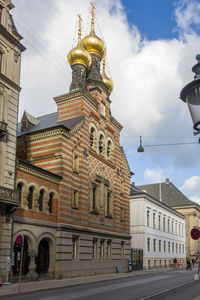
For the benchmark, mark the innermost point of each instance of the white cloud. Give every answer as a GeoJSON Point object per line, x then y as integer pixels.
{"type": "Point", "coordinates": [153, 176]}
{"type": "Point", "coordinates": [148, 75]}
{"type": "Point", "coordinates": [191, 186]}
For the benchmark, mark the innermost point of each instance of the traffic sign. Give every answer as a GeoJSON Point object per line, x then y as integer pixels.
{"type": "Point", "coordinates": [19, 240]}
{"type": "Point", "coordinates": [195, 233]}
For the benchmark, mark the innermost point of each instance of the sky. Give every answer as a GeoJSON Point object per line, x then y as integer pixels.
{"type": "Point", "coordinates": [151, 48]}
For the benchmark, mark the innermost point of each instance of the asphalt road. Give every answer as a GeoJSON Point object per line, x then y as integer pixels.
{"type": "Point", "coordinates": [173, 285]}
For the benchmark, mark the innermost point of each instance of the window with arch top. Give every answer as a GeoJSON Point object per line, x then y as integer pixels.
{"type": "Point", "coordinates": [40, 200]}
{"type": "Point", "coordinates": [30, 197]}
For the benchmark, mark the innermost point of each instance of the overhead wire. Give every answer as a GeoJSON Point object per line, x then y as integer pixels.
{"type": "Point", "coordinates": [42, 47]}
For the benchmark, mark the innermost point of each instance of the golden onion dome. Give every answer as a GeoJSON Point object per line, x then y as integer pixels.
{"type": "Point", "coordinates": [106, 80]}
{"type": "Point", "coordinates": [79, 55]}
{"type": "Point", "coordinates": [92, 43]}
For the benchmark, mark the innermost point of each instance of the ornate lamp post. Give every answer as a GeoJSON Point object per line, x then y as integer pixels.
{"type": "Point", "coordinates": [191, 95]}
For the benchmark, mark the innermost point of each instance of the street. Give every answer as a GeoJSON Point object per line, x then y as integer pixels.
{"type": "Point", "coordinates": [171, 285]}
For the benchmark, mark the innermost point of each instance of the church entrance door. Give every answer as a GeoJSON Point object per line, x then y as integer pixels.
{"type": "Point", "coordinates": [43, 257]}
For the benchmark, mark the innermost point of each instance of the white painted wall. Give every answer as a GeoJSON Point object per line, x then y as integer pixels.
{"type": "Point", "coordinates": [140, 232]}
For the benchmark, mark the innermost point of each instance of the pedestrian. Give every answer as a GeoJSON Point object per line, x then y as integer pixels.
{"type": "Point", "coordinates": [193, 262]}
{"type": "Point", "coordinates": [175, 263]}
{"type": "Point", "coordinates": [188, 264]}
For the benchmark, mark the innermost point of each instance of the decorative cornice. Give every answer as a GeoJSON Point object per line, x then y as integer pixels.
{"type": "Point", "coordinates": [99, 232]}
{"type": "Point", "coordinates": [77, 94]}
{"type": "Point", "coordinates": [36, 171]}
{"type": "Point", "coordinates": [10, 82]}
{"type": "Point", "coordinates": [158, 202]}
{"type": "Point", "coordinates": [94, 116]}
{"type": "Point", "coordinates": [11, 38]}
{"type": "Point", "coordinates": [116, 123]}
{"type": "Point", "coordinates": [99, 157]}
{"type": "Point", "coordinates": [51, 132]}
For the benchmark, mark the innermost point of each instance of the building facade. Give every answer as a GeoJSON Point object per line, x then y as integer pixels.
{"type": "Point", "coordinates": [73, 178]}
{"type": "Point", "coordinates": [10, 61]}
{"type": "Point", "coordinates": [173, 197]}
{"type": "Point", "coordinates": [157, 229]}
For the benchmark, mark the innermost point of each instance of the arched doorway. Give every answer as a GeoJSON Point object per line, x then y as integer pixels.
{"type": "Point", "coordinates": [25, 260]}
{"type": "Point", "coordinates": [42, 261]}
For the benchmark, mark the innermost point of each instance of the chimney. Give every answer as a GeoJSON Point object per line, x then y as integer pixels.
{"type": "Point", "coordinates": [167, 180]}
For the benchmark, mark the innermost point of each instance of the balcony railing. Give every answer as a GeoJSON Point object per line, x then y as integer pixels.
{"type": "Point", "coordinates": [3, 128]}
{"type": "Point", "coordinates": [9, 196]}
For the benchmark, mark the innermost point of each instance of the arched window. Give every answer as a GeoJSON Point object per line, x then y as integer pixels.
{"type": "Point", "coordinates": [40, 200]}
{"type": "Point", "coordinates": [50, 203]}
{"type": "Point", "coordinates": [101, 144]}
{"type": "Point", "coordinates": [92, 133]}
{"type": "Point", "coordinates": [109, 144]}
{"type": "Point", "coordinates": [19, 189]}
{"type": "Point", "coordinates": [30, 197]}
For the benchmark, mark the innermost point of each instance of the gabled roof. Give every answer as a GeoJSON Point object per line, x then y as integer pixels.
{"type": "Point", "coordinates": [50, 121]}
{"type": "Point", "coordinates": [168, 193]}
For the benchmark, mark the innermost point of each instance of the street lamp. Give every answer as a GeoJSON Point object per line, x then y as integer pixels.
{"type": "Point", "coordinates": [191, 95]}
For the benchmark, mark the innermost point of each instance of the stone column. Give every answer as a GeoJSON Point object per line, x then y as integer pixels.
{"type": "Point", "coordinates": [32, 274]}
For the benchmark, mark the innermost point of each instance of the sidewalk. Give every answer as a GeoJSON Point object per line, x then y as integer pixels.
{"type": "Point", "coordinates": [27, 287]}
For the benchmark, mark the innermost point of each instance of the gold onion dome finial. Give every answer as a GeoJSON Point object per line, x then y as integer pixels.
{"type": "Point", "coordinates": [79, 55]}
{"type": "Point", "coordinates": [107, 81]}
{"type": "Point", "coordinates": [92, 43]}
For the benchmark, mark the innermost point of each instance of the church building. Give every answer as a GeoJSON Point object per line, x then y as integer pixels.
{"type": "Point", "coordinates": [73, 177]}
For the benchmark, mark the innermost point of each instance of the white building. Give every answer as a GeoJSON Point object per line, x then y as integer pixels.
{"type": "Point", "coordinates": [157, 229]}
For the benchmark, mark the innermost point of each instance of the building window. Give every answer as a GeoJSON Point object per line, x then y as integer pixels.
{"type": "Point", "coordinates": [94, 248]}
{"type": "Point", "coordinates": [159, 245]}
{"type": "Point", "coordinates": [122, 187]}
{"type": "Point", "coordinates": [102, 242]}
{"type": "Point", "coordinates": [122, 250]}
{"type": "Point", "coordinates": [75, 198]}
{"type": "Point", "coordinates": [164, 224]}
{"type": "Point", "coordinates": [19, 189]}
{"type": "Point", "coordinates": [50, 203]}
{"type": "Point", "coordinates": [173, 247]}
{"type": "Point", "coordinates": [1, 59]}
{"type": "Point", "coordinates": [182, 230]}
{"type": "Point", "coordinates": [159, 221]}
{"type": "Point", "coordinates": [109, 144]}
{"type": "Point", "coordinates": [154, 244]}
{"type": "Point", "coordinates": [179, 229]}
{"type": "Point", "coordinates": [148, 218]}
{"type": "Point", "coordinates": [108, 204]}
{"type": "Point", "coordinates": [168, 222]}
{"type": "Point", "coordinates": [175, 228]}
{"type": "Point", "coordinates": [1, 8]}
{"type": "Point", "coordinates": [179, 248]}
{"type": "Point", "coordinates": [154, 220]}
{"type": "Point", "coordinates": [103, 109]}
{"type": "Point", "coordinates": [76, 163]}
{"type": "Point", "coordinates": [172, 226]}
{"type": "Point", "coordinates": [169, 247]}
{"type": "Point", "coordinates": [122, 214]}
{"type": "Point", "coordinates": [30, 197]}
{"type": "Point", "coordinates": [40, 200]}
{"type": "Point", "coordinates": [148, 244]}
{"type": "Point", "coordinates": [94, 198]}
{"type": "Point", "coordinates": [183, 249]}
{"type": "Point", "coordinates": [176, 248]}
{"type": "Point", "coordinates": [164, 246]}
{"type": "Point", "coordinates": [75, 247]}
{"type": "Point", "coordinates": [101, 144]}
{"type": "Point", "coordinates": [108, 249]}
